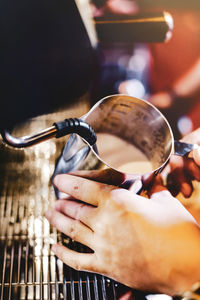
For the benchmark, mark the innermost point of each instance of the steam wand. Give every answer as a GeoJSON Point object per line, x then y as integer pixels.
{"type": "Point", "coordinates": [58, 129]}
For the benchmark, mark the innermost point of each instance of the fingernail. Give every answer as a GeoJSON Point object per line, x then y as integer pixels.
{"type": "Point", "coordinates": [186, 189]}
{"type": "Point", "coordinates": [196, 155]}
{"type": "Point", "coordinates": [55, 181]}
{"type": "Point", "coordinates": [48, 213]}
{"type": "Point", "coordinates": [54, 248]}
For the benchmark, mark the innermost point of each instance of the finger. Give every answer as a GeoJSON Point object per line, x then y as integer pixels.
{"type": "Point", "coordinates": [108, 176]}
{"type": "Point", "coordinates": [177, 182]}
{"type": "Point", "coordinates": [176, 162]}
{"type": "Point", "coordinates": [193, 137]}
{"type": "Point", "coordinates": [76, 260]}
{"type": "Point", "coordinates": [172, 185]}
{"type": "Point", "coordinates": [82, 189]}
{"type": "Point", "coordinates": [186, 188]}
{"type": "Point", "coordinates": [75, 210]}
{"type": "Point", "coordinates": [133, 185]}
{"type": "Point", "coordinates": [196, 155]}
{"type": "Point", "coordinates": [72, 228]}
{"type": "Point", "coordinates": [128, 295]}
{"type": "Point", "coordinates": [192, 171]}
{"type": "Point", "coordinates": [157, 185]}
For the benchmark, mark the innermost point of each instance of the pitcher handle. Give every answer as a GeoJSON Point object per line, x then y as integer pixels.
{"type": "Point", "coordinates": [183, 149]}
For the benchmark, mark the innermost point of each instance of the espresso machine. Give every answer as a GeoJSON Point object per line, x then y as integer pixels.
{"type": "Point", "coordinates": [50, 61]}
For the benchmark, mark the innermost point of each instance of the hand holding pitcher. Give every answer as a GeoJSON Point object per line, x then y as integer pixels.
{"type": "Point", "coordinates": [148, 244]}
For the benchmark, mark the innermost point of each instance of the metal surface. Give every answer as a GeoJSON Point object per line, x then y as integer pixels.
{"type": "Point", "coordinates": [152, 27]}
{"type": "Point", "coordinates": [123, 125]}
{"type": "Point", "coordinates": [28, 267]}
{"type": "Point", "coordinates": [136, 122]}
{"type": "Point", "coordinates": [26, 141]}
{"type": "Point", "coordinates": [183, 149]}
{"type": "Point", "coordinates": [58, 130]}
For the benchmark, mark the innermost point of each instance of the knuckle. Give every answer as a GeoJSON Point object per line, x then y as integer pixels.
{"type": "Point", "coordinates": [98, 225]}
{"type": "Point", "coordinates": [73, 231]}
{"type": "Point", "coordinates": [77, 266]}
{"type": "Point", "coordinates": [78, 211]}
{"type": "Point", "coordinates": [60, 253]}
{"type": "Point", "coordinates": [101, 265]}
{"type": "Point", "coordinates": [53, 219]}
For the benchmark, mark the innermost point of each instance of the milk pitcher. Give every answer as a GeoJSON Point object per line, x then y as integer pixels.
{"type": "Point", "coordinates": [133, 138]}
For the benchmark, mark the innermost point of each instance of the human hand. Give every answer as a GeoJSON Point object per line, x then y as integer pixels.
{"type": "Point", "coordinates": [183, 170]}
{"type": "Point", "coordinates": [147, 244]}
{"type": "Point", "coordinates": [107, 175]}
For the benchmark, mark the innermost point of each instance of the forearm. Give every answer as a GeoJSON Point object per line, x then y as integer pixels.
{"type": "Point", "coordinates": [186, 87]}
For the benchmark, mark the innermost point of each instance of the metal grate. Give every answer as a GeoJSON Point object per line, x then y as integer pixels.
{"type": "Point", "coordinates": [28, 268]}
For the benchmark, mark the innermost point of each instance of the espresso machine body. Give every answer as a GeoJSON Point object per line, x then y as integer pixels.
{"type": "Point", "coordinates": [46, 57]}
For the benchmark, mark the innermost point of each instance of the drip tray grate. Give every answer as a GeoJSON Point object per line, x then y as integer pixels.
{"type": "Point", "coordinates": [28, 267]}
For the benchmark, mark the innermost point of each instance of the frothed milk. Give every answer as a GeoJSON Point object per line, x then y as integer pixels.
{"type": "Point", "coordinates": [122, 155]}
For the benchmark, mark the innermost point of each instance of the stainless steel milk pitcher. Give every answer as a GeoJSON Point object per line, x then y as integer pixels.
{"type": "Point", "coordinates": [133, 137]}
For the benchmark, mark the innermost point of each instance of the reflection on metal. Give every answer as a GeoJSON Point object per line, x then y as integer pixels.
{"type": "Point", "coordinates": [170, 22]}
{"type": "Point", "coordinates": [148, 27]}
{"type": "Point", "coordinates": [59, 129]}
{"type": "Point", "coordinates": [128, 21]}
{"type": "Point", "coordinates": [30, 140]}
{"type": "Point", "coordinates": [28, 268]}
{"type": "Point", "coordinates": [165, 17]}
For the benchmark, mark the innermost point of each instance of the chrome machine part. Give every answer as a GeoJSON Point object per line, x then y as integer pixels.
{"type": "Point", "coordinates": [144, 28]}
{"type": "Point", "coordinates": [152, 27]}
{"type": "Point", "coordinates": [58, 129]}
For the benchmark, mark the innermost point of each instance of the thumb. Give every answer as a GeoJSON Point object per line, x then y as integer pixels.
{"type": "Point", "coordinates": [196, 155]}
{"type": "Point", "coordinates": [157, 185]}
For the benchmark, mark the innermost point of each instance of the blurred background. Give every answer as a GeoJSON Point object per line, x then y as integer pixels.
{"type": "Point", "coordinates": [54, 53]}
{"type": "Point", "coordinates": [166, 74]}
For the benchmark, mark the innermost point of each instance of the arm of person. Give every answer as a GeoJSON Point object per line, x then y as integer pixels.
{"type": "Point", "coordinates": [185, 87]}
{"type": "Point", "coordinates": [147, 244]}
